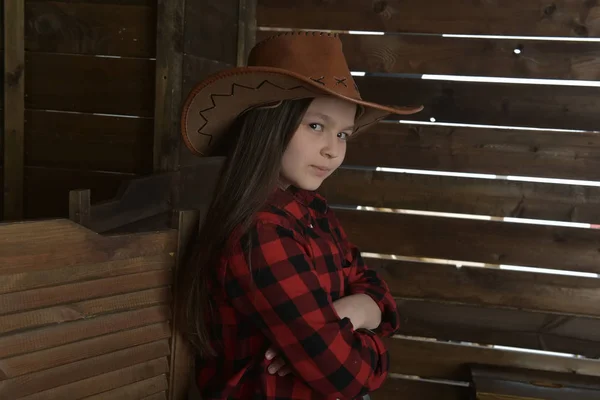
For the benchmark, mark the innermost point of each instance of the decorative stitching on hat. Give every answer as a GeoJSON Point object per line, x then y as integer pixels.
{"type": "Point", "coordinates": [297, 33]}
{"type": "Point", "coordinates": [340, 81]}
{"type": "Point", "coordinates": [233, 86]}
{"type": "Point", "coordinates": [319, 80]}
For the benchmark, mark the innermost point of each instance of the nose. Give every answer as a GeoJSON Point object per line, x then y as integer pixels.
{"type": "Point", "coordinates": [332, 147]}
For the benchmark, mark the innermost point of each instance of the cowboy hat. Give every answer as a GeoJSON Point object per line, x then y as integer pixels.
{"type": "Point", "coordinates": [291, 65]}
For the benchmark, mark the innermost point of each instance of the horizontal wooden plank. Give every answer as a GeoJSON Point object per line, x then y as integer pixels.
{"type": "Point", "coordinates": [157, 396]}
{"type": "Point", "coordinates": [48, 379]}
{"type": "Point", "coordinates": [14, 280]}
{"type": "Point", "coordinates": [83, 309]}
{"type": "Point", "coordinates": [511, 17]}
{"type": "Point", "coordinates": [490, 325]}
{"type": "Point", "coordinates": [88, 142]}
{"type": "Point", "coordinates": [88, 28]}
{"type": "Point", "coordinates": [408, 54]}
{"type": "Point", "coordinates": [151, 372]}
{"type": "Point", "coordinates": [90, 84]}
{"type": "Point", "coordinates": [45, 338]}
{"type": "Point", "coordinates": [135, 390]}
{"type": "Point", "coordinates": [549, 154]}
{"type": "Point", "coordinates": [498, 198]}
{"type": "Point", "coordinates": [395, 388]}
{"type": "Point", "coordinates": [431, 359]}
{"type": "Point", "coordinates": [572, 249]}
{"type": "Point", "coordinates": [492, 287]}
{"type": "Point", "coordinates": [85, 349]}
{"type": "Point", "coordinates": [62, 243]}
{"type": "Point", "coordinates": [529, 105]}
{"type": "Point", "coordinates": [64, 294]}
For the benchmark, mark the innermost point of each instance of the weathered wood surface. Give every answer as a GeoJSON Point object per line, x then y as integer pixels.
{"type": "Point", "coordinates": [114, 28]}
{"type": "Point", "coordinates": [530, 105]}
{"type": "Point", "coordinates": [395, 388]}
{"type": "Point", "coordinates": [508, 17]}
{"type": "Point", "coordinates": [123, 86]}
{"type": "Point", "coordinates": [14, 73]}
{"type": "Point", "coordinates": [88, 142]}
{"type": "Point", "coordinates": [497, 198]}
{"type": "Point", "coordinates": [548, 154]}
{"type": "Point", "coordinates": [408, 54]}
{"type": "Point", "coordinates": [572, 249]}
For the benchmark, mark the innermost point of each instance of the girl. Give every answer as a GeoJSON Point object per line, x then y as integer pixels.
{"type": "Point", "coordinates": [278, 303]}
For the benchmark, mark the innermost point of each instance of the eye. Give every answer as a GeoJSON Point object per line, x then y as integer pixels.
{"type": "Point", "coordinates": [344, 135]}
{"type": "Point", "coordinates": [316, 127]}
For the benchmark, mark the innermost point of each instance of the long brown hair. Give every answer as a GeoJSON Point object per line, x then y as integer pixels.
{"type": "Point", "coordinates": [254, 147]}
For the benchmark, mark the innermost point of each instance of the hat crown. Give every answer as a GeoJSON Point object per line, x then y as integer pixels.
{"type": "Point", "coordinates": [315, 55]}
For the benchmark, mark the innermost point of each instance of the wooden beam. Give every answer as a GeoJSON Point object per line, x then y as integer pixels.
{"type": "Point", "coordinates": [169, 64]}
{"type": "Point", "coordinates": [246, 30]}
{"type": "Point", "coordinates": [14, 107]}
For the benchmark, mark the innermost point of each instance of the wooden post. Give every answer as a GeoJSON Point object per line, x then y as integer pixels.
{"type": "Point", "coordinates": [14, 107]}
{"type": "Point", "coordinates": [181, 361]}
{"type": "Point", "coordinates": [246, 30]}
{"type": "Point", "coordinates": [169, 79]}
{"type": "Point", "coordinates": [80, 207]}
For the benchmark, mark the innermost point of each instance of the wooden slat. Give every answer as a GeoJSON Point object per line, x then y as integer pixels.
{"type": "Point", "coordinates": [135, 390]}
{"type": "Point", "coordinates": [84, 28]}
{"type": "Point", "coordinates": [492, 287]}
{"type": "Point", "coordinates": [157, 396]}
{"type": "Point", "coordinates": [47, 189]}
{"type": "Point", "coordinates": [498, 198]}
{"type": "Point", "coordinates": [82, 350]}
{"type": "Point", "coordinates": [62, 243]}
{"type": "Point", "coordinates": [394, 389]}
{"type": "Point", "coordinates": [90, 84]}
{"type": "Point", "coordinates": [90, 367]}
{"type": "Point", "coordinates": [88, 142]}
{"type": "Point", "coordinates": [14, 279]}
{"type": "Point", "coordinates": [14, 108]}
{"type": "Point", "coordinates": [547, 154]}
{"type": "Point", "coordinates": [572, 249]}
{"type": "Point", "coordinates": [500, 326]}
{"type": "Point", "coordinates": [509, 17]}
{"type": "Point", "coordinates": [168, 83]}
{"type": "Point", "coordinates": [476, 57]}
{"type": "Point", "coordinates": [433, 359]}
{"type": "Point", "coordinates": [45, 338]}
{"type": "Point", "coordinates": [148, 375]}
{"type": "Point", "coordinates": [540, 106]}
{"type": "Point", "coordinates": [83, 310]}
{"type": "Point", "coordinates": [36, 298]}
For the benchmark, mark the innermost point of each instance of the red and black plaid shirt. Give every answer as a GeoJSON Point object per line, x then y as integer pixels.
{"type": "Point", "coordinates": [281, 293]}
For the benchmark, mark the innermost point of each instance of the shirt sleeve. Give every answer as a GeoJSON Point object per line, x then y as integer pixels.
{"type": "Point", "coordinates": [363, 280]}
{"type": "Point", "coordinates": [277, 287]}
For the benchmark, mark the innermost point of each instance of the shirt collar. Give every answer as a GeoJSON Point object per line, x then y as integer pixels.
{"type": "Point", "coordinates": [284, 198]}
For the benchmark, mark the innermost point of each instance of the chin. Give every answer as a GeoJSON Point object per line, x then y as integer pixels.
{"type": "Point", "coordinates": [309, 184]}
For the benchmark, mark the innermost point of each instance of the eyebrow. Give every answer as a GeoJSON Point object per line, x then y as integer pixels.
{"type": "Point", "coordinates": [327, 119]}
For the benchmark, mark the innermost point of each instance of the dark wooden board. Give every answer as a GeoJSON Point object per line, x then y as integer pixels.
{"type": "Point", "coordinates": [510, 17]}
{"type": "Point", "coordinates": [88, 142]}
{"type": "Point", "coordinates": [530, 105]}
{"type": "Point", "coordinates": [431, 359]}
{"type": "Point", "coordinates": [498, 198]}
{"type": "Point", "coordinates": [411, 54]}
{"type": "Point", "coordinates": [573, 249]}
{"type": "Point", "coordinates": [548, 154]}
{"type": "Point", "coordinates": [395, 388]}
{"type": "Point", "coordinates": [91, 28]}
{"type": "Point", "coordinates": [89, 84]}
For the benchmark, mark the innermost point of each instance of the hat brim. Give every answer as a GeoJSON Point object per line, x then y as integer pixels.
{"type": "Point", "coordinates": [213, 104]}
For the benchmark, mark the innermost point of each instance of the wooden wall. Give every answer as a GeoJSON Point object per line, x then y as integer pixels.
{"type": "Point", "coordinates": [89, 84]}
{"type": "Point", "coordinates": [452, 317]}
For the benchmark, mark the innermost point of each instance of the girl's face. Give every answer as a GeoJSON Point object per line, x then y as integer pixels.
{"type": "Point", "coordinates": [318, 146]}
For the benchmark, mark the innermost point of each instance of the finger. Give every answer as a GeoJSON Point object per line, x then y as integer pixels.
{"type": "Point", "coordinates": [284, 370]}
{"type": "Point", "coordinates": [270, 353]}
{"type": "Point", "coordinates": [276, 365]}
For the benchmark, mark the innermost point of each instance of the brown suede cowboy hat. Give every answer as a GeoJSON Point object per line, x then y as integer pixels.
{"type": "Point", "coordinates": [291, 65]}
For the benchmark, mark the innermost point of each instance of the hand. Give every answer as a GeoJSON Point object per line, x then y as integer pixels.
{"type": "Point", "coordinates": [361, 309]}
{"type": "Point", "coordinates": [278, 366]}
